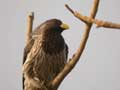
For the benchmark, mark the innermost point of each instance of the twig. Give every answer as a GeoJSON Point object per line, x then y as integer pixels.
{"type": "Point", "coordinates": [106, 24]}
{"type": "Point", "coordinates": [99, 23]}
{"type": "Point", "coordinates": [75, 13]}
{"type": "Point", "coordinates": [70, 65]}
{"type": "Point", "coordinates": [30, 19]}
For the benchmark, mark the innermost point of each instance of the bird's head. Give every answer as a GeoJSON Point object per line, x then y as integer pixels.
{"type": "Point", "coordinates": [55, 25]}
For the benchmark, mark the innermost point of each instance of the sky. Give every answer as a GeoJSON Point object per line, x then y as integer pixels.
{"type": "Point", "coordinates": [99, 66]}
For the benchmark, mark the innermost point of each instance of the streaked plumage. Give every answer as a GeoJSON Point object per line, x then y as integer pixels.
{"type": "Point", "coordinates": [44, 56]}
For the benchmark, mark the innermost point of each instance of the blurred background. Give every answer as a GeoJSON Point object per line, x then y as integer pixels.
{"type": "Point", "coordinates": [99, 66]}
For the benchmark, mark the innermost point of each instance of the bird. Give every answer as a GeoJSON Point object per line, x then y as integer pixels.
{"type": "Point", "coordinates": [45, 55]}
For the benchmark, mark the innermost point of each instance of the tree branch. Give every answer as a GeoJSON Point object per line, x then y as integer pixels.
{"type": "Point", "coordinates": [88, 24]}
{"type": "Point", "coordinates": [72, 62]}
{"type": "Point", "coordinates": [99, 23]}
{"type": "Point", "coordinates": [30, 19]}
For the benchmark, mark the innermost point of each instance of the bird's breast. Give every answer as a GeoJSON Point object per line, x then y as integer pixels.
{"type": "Point", "coordinates": [53, 45]}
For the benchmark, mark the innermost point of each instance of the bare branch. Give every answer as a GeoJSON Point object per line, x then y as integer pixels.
{"type": "Point", "coordinates": [72, 11]}
{"type": "Point", "coordinates": [106, 24]}
{"type": "Point", "coordinates": [30, 19]}
{"type": "Point", "coordinates": [75, 13]}
{"type": "Point", "coordinates": [99, 23]}
{"type": "Point", "coordinates": [70, 65]}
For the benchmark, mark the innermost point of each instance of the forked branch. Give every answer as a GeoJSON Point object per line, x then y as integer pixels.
{"type": "Point", "coordinates": [88, 24]}
{"type": "Point", "coordinates": [70, 65]}
{"type": "Point", "coordinates": [99, 23]}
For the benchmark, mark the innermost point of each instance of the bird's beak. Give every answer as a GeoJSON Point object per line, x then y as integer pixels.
{"type": "Point", "coordinates": [64, 26]}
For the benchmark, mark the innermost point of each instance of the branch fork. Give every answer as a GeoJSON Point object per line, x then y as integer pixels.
{"type": "Point", "coordinates": [88, 20]}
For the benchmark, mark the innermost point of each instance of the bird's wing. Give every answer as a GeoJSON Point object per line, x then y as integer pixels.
{"type": "Point", "coordinates": [26, 51]}
{"type": "Point", "coordinates": [67, 51]}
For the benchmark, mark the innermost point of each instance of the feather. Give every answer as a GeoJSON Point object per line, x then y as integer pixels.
{"type": "Point", "coordinates": [44, 57]}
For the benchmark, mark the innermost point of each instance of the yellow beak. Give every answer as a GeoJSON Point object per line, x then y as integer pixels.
{"type": "Point", "coordinates": [64, 26]}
